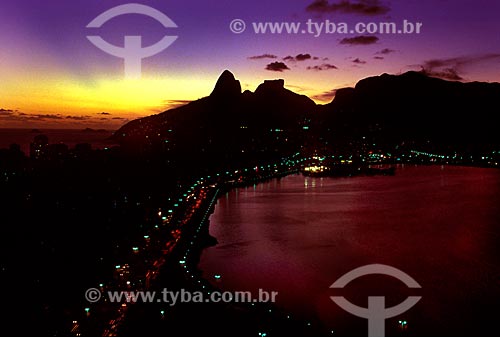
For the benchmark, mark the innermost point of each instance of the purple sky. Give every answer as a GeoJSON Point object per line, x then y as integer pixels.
{"type": "Point", "coordinates": [45, 53]}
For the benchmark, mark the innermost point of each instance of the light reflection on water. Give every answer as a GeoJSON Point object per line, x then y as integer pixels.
{"type": "Point", "coordinates": [297, 235]}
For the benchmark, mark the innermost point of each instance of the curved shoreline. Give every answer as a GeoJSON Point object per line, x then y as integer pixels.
{"type": "Point", "coordinates": [236, 215]}
{"type": "Point", "coordinates": [279, 321]}
{"type": "Point", "coordinates": [179, 269]}
{"type": "Point", "coordinates": [195, 238]}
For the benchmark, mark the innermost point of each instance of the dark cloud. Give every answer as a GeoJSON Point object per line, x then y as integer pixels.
{"type": "Point", "coordinates": [447, 74]}
{"type": "Point", "coordinates": [17, 116]}
{"type": "Point", "coordinates": [104, 113]}
{"type": "Point", "coordinates": [461, 61]}
{"type": "Point", "coordinates": [297, 88]}
{"type": "Point", "coordinates": [78, 118]}
{"type": "Point", "coordinates": [118, 118]}
{"type": "Point", "coordinates": [378, 57]}
{"type": "Point", "coordinates": [277, 66]}
{"type": "Point", "coordinates": [359, 40]}
{"type": "Point", "coordinates": [361, 7]}
{"type": "Point", "coordinates": [6, 111]}
{"type": "Point", "coordinates": [303, 57]}
{"type": "Point", "coordinates": [263, 56]}
{"type": "Point", "coordinates": [175, 103]}
{"type": "Point", "coordinates": [358, 61]}
{"type": "Point", "coordinates": [42, 117]}
{"type": "Point", "coordinates": [34, 120]}
{"type": "Point", "coordinates": [299, 57]}
{"type": "Point", "coordinates": [385, 51]}
{"type": "Point", "coordinates": [315, 58]}
{"type": "Point", "coordinates": [452, 68]}
{"type": "Point", "coordinates": [324, 66]}
{"type": "Point", "coordinates": [326, 96]}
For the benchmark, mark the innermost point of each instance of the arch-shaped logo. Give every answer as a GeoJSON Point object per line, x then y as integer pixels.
{"type": "Point", "coordinates": [132, 52]}
{"type": "Point", "coordinates": [376, 313]}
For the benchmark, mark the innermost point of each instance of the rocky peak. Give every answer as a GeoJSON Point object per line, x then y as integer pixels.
{"type": "Point", "coordinates": [227, 85]}
{"type": "Point", "coordinates": [271, 85]}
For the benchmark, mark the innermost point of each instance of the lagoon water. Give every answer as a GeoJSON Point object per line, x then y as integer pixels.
{"type": "Point", "coordinates": [297, 235]}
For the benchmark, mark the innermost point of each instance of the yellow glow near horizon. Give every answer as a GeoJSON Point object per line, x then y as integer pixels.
{"type": "Point", "coordinates": [119, 96]}
{"type": "Point", "coordinates": [47, 92]}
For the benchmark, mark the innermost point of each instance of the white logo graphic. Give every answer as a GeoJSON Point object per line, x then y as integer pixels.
{"type": "Point", "coordinates": [132, 51]}
{"type": "Point", "coordinates": [376, 313]}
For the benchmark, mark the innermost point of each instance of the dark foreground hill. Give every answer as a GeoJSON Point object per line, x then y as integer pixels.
{"type": "Point", "coordinates": [391, 109]}
{"type": "Point", "coordinates": [413, 106]}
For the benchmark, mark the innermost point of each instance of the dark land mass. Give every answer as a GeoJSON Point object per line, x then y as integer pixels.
{"type": "Point", "coordinates": [70, 215]}
{"type": "Point", "coordinates": [390, 110]}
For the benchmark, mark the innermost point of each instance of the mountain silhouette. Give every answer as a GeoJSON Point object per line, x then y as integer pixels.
{"type": "Point", "coordinates": [227, 86]}
{"type": "Point", "coordinates": [226, 124]}
{"type": "Point", "coordinates": [388, 109]}
{"type": "Point", "coordinates": [417, 107]}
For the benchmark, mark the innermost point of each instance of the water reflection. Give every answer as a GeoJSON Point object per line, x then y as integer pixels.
{"type": "Point", "coordinates": [297, 235]}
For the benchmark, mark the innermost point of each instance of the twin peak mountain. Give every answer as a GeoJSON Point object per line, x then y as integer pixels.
{"type": "Point", "coordinates": [407, 107]}
{"type": "Point", "coordinates": [228, 86]}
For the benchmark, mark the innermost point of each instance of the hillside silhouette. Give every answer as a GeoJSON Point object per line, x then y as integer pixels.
{"type": "Point", "coordinates": [389, 109]}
